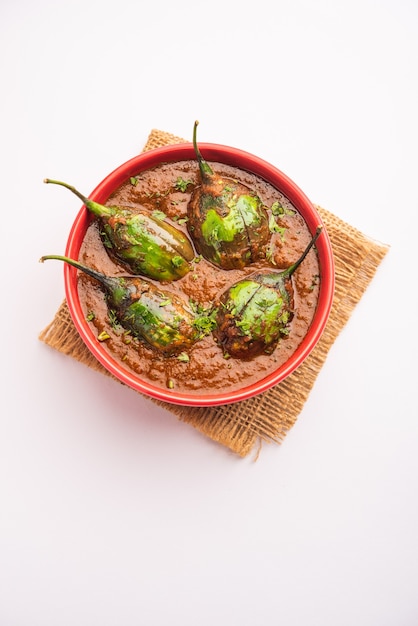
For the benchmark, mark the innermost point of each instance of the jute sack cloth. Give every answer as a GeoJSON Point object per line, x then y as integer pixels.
{"type": "Point", "coordinates": [244, 426]}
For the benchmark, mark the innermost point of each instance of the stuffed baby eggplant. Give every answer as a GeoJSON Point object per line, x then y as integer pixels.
{"type": "Point", "coordinates": [226, 219]}
{"type": "Point", "coordinates": [255, 312]}
{"type": "Point", "coordinates": [140, 242]}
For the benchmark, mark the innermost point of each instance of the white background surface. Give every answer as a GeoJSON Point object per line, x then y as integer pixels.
{"type": "Point", "coordinates": [112, 511]}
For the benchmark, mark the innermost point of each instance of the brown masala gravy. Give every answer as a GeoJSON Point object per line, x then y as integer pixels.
{"type": "Point", "coordinates": [207, 370]}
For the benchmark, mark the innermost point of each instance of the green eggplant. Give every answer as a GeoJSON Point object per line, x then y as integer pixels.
{"type": "Point", "coordinates": [226, 219]}
{"type": "Point", "coordinates": [160, 318]}
{"type": "Point", "coordinates": [143, 244]}
{"type": "Point", "coordinates": [254, 313]}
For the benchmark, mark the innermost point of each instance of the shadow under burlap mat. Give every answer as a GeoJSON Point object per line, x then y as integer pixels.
{"type": "Point", "coordinates": [269, 416]}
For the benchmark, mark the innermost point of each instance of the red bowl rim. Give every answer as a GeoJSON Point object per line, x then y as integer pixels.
{"type": "Point", "coordinates": [230, 156]}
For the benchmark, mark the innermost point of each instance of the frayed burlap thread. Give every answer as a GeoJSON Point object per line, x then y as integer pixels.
{"type": "Point", "coordinates": [244, 426]}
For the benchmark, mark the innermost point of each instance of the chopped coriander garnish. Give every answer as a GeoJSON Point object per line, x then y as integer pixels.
{"type": "Point", "coordinates": [275, 228]}
{"type": "Point", "coordinates": [133, 180]}
{"type": "Point", "coordinates": [181, 184]}
{"type": "Point", "coordinates": [159, 215]}
{"type": "Point", "coordinates": [278, 209]}
{"type": "Point", "coordinates": [205, 320]}
{"type": "Point", "coordinates": [113, 320]}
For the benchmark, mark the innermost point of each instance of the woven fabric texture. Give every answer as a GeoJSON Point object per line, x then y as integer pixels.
{"type": "Point", "coordinates": [244, 426]}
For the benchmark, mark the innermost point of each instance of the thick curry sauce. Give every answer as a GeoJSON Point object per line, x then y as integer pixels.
{"type": "Point", "coordinates": [167, 189]}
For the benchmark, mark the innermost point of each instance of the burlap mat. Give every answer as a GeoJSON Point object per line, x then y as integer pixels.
{"type": "Point", "coordinates": [268, 417]}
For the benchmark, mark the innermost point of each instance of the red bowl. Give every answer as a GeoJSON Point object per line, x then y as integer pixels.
{"type": "Point", "coordinates": [229, 156]}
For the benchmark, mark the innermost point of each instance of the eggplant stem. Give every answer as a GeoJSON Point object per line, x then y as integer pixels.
{"type": "Point", "coordinates": [290, 270]}
{"type": "Point", "coordinates": [98, 209]}
{"type": "Point", "coordinates": [101, 278]}
{"type": "Point", "coordinates": [205, 169]}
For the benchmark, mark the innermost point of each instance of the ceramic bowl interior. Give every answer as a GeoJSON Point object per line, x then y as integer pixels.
{"type": "Point", "coordinates": [229, 156]}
